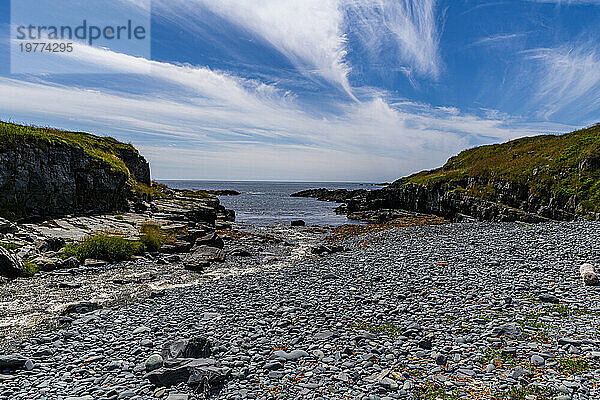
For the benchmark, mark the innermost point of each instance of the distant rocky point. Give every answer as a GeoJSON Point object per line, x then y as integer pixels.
{"type": "Point", "coordinates": [533, 179]}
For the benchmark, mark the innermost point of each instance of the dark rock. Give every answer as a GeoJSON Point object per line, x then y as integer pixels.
{"type": "Point", "coordinates": [51, 244]}
{"type": "Point", "coordinates": [10, 266]}
{"type": "Point", "coordinates": [511, 330]}
{"type": "Point", "coordinates": [154, 362]}
{"type": "Point", "coordinates": [83, 307]}
{"type": "Point", "coordinates": [211, 240]}
{"type": "Point", "coordinates": [322, 249]}
{"type": "Point", "coordinates": [298, 222]}
{"type": "Point", "coordinates": [201, 373]}
{"type": "Point", "coordinates": [441, 359]}
{"type": "Point", "coordinates": [548, 298]}
{"type": "Point", "coordinates": [12, 361]}
{"type": "Point", "coordinates": [240, 253]}
{"type": "Point", "coordinates": [425, 343]}
{"type": "Point", "coordinates": [202, 256]}
{"type": "Point", "coordinates": [196, 347]}
{"type": "Point", "coordinates": [43, 178]}
{"type": "Point", "coordinates": [71, 262]}
{"type": "Point", "coordinates": [6, 226]}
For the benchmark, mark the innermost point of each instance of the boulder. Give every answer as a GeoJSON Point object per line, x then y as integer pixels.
{"type": "Point", "coordinates": [202, 256]}
{"type": "Point", "coordinates": [588, 275]}
{"type": "Point", "coordinates": [47, 263]}
{"type": "Point", "coordinates": [6, 226]}
{"type": "Point", "coordinates": [12, 361]}
{"type": "Point", "coordinates": [83, 307]}
{"type": "Point", "coordinates": [196, 347]}
{"type": "Point", "coordinates": [10, 266]}
{"type": "Point", "coordinates": [205, 374]}
{"type": "Point", "coordinates": [211, 240]}
{"type": "Point", "coordinates": [511, 330]}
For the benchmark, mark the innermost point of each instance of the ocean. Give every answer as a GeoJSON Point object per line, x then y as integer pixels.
{"type": "Point", "coordinates": [269, 203]}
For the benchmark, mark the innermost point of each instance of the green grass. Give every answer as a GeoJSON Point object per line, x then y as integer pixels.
{"type": "Point", "coordinates": [387, 329]}
{"type": "Point", "coordinates": [522, 393]}
{"type": "Point", "coordinates": [30, 269]}
{"type": "Point", "coordinates": [10, 246]}
{"type": "Point", "coordinates": [435, 391]}
{"type": "Point", "coordinates": [549, 165]}
{"type": "Point", "coordinates": [153, 237]}
{"type": "Point", "coordinates": [119, 217]}
{"type": "Point", "coordinates": [490, 354]}
{"type": "Point", "coordinates": [106, 247]}
{"type": "Point", "coordinates": [573, 365]}
{"type": "Point", "coordinates": [101, 148]}
{"type": "Point", "coordinates": [154, 191]}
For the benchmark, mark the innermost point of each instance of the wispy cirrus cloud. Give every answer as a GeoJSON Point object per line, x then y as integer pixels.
{"type": "Point", "coordinates": [497, 39]}
{"type": "Point", "coordinates": [183, 114]}
{"type": "Point", "coordinates": [412, 25]}
{"type": "Point", "coordinates": [569, 2]}
{"type": "Point", "coordinates": [568, 79]}
{"type": "Point", "coordinates": [308, 32]}
{"type": "Point", "coordinates": [313, 34]}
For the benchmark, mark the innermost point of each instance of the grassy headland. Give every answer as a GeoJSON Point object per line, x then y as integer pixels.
{"type": "Point", "coordinates": [552, 166]}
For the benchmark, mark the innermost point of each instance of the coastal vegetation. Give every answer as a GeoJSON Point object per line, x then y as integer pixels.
{"type": "Point", "coordinates": [104, 246]}
{"type": "Point", "coordinates": [101, 148]}
{"type": "Point", "coordinates": [551, 166]}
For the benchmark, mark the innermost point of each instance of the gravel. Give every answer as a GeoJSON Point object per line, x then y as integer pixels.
{"type": "Point", "coordinates": [465, 309]}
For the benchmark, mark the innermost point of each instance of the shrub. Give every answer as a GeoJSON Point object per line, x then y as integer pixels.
{"type": "Point", "coordinates": [30, 269]}
{"type": "Point", "coordinates": [152, 236]}
{"type": "Point", "coordinates": [106, 247]}
{"type": "Point", "coordinates": [10, 246]}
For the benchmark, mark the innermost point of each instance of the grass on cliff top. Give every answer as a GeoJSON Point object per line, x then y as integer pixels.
{"type": "Point", "coordinates": [549, 164]}
{"type": "Point", "coordinates": [101, 148]}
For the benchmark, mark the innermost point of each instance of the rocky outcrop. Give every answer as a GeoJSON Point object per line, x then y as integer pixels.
{"type": "Point", "coordinates": [10, 266]}
{"type": "Point", "coordinates": [512, 202]}
{"type": "Point", "coordinates": [48, 176]}
{"type": "Point", "coordinates": [451, 205]}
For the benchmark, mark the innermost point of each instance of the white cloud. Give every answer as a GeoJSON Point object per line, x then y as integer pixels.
{"type": "Point", "coordinates": [308, 32]}
{"type": "Point", "coordinates": [568, 79]}
{"type": "Point", "coordinates": [412, 23]}
{"type": "Point", "coordinates": [244, 129]}
{"type": "Point", "coordinates": [569, 2]}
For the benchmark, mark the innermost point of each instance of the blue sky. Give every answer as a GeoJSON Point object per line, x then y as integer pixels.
{"type": "Point", "coordinates": [351, 90]}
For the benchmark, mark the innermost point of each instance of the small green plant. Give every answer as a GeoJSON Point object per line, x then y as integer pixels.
{"type": "Point", "coordinates": [30, 269]}
{"type": "Point", "coordinates": [388, 328]}
{"type": "Point", "coordinates": [119, 217]}
{"type": "Point", "coordinates": [573, 365]}
{"type": "Point", "coordinates": [435, 391]}
{"type": "Point", "coordinates": [106, 247]}
{"type": "Point", "coordinates": [523, 393]}
{"type": "Point", "coordinates": [490, 354]}
{"type": "Point", "coordinates": [10, 246]}
{"type": "Point", "coordinates": [152, 236]}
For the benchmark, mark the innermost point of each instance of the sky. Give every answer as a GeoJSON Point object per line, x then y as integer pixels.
{"type": "Point", "coordinates": [323, 90]}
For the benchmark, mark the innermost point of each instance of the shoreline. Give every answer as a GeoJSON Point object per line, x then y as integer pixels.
{"type": "Point", "coordinates": [442, 294]}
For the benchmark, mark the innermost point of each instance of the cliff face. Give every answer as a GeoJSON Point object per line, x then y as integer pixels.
{"type": "Point", "coordinates": [48, 173]}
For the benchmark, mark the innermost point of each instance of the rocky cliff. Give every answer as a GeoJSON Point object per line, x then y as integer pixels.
{"type": "Point", "coordinates": [46, 172]}
{"type": "Point", "coordinates": [548, 177]}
